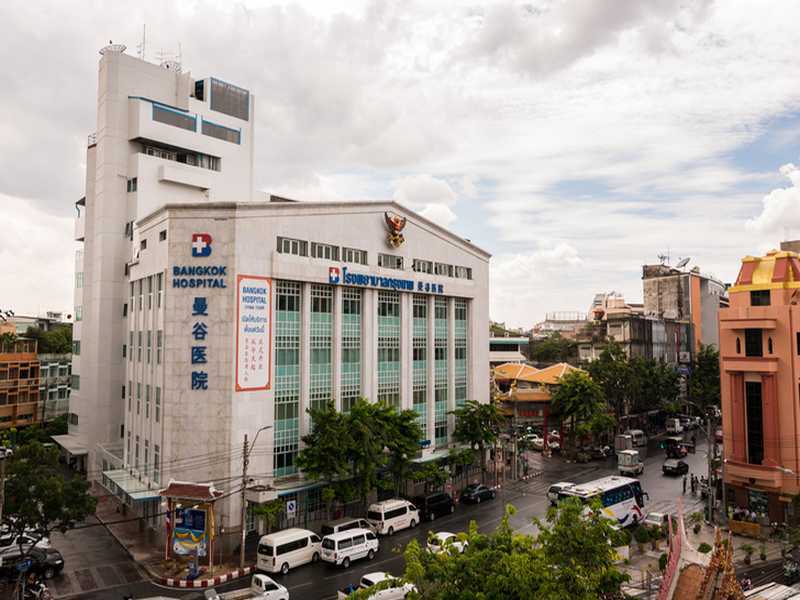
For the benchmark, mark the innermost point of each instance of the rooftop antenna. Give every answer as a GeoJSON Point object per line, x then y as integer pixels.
{"type": "Point", "coordinates": [664, 258]}
{"type": "Point", "coordinates": [682, 262]}
{"type": "Point", "coordinates": [141, 46]}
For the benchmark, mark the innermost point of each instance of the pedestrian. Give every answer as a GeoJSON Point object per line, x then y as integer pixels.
{"type": "Point", "coordinates": [692, 483]}
{"type": "Point", "coordinates": [684, 483]}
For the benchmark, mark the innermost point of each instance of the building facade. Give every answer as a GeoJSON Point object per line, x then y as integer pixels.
{"type": "Point", "coordinates": [266, 310]}
{"type": "Point", "coordinates": [759, 377]}
{"type": "Point", "coordinates": [19, 383]}
{"type": "Point", "coordinates": [687, 297]}
{"type": "Point", "coordinates": [161, 136]}
{"type": "Point", "coordinates": [204, 316]}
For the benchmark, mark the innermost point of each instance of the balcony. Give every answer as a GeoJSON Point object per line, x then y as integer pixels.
{"type": "Point", "coordinates": [760, 476]}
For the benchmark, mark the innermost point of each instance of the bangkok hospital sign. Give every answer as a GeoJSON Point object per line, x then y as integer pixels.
{"type": "Point", "coordinates": [341, 276]}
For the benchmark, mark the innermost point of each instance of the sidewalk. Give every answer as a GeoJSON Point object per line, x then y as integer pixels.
{"type": "Point", "coordinates": [142, 545]}
{"type": "Point", "coordinates": [642, 563]}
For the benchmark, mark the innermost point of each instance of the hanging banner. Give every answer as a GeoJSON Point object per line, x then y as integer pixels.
{"type": "Point", "coordinates": [253, 333]}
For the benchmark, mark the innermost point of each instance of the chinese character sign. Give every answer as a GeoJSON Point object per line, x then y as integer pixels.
{"type": "Point", "coordinates": [253, 333]}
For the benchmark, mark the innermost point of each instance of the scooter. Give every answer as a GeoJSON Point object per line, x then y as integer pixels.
{"type": "Point", "coordinates": [37, 591]}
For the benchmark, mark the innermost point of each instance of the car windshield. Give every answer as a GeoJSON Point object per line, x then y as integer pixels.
{"type": "Point", "coordinates": [328, 544]}
{"type": "Point", "coordinates": [365, 583]}
{"type": "Point", "coordinates": [471, 488]}
{"type": "Point", "coordinates": [374, 515]}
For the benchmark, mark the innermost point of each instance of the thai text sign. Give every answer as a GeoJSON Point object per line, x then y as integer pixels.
{"type": "Point", "coordinates": [253, 333]}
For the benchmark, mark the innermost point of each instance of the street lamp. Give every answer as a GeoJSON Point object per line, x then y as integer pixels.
{"type": "Point", "coordinates": [245, 462]}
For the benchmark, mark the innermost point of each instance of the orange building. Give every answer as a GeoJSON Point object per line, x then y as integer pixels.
{"type": "Point", "coordinates": [759, 376]}
{"type": "Point", "coordinates": [19, 383]}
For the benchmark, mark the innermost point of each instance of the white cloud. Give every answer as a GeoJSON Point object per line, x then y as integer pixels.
{"type": "Point", "coordinates": [431, 197]}
{"type": "Point", "coordinates": [610, 131]}
{"type": "Point", "coordinates": [781, 212]}
{"type": "Point", "coordinates": [37, 259]}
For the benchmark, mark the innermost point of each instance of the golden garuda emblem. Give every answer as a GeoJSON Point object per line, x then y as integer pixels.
{"type": "Point", "coordinates": [395, 224]}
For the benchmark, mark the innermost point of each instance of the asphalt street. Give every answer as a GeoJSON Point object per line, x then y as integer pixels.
{"type": "Point", "coordinates": [98, 568]}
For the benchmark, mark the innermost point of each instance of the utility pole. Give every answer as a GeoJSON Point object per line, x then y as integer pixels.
{"type": "Point", "coordinates": [711, 454]}
{"type": "Point", "coordinates": [4, 454]}
{"type": "Point", "coordinates": [245, 460]}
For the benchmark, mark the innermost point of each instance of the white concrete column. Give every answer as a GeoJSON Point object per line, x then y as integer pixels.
{"type": "Point", "coordinates": [431, 371]}
{"type": "Point", "coordinates": [369, 345]}
{"type": "Point", "coordinates": [336, 347]}
{"type": "Point", "coordinates": [451, 364]}
{"type": "Point", "coordinates": [305, 357]}
{"type": "Point", "coordinates": [406, 351]}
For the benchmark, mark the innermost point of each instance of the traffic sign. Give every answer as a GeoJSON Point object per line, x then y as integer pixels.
{"type": "Point", "coordinates": [24, 565]}
{"type": "Point", "coordinates": [291, 508]}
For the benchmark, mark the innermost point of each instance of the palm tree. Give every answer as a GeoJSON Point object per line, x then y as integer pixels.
{"type": "Point", "coordinates": [477, 425]}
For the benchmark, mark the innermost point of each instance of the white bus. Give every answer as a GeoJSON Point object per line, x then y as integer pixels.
{"type": "Point", "coordinates": [621, 498]}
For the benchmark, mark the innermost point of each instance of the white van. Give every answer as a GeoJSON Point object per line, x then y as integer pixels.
{"type": "Point", "coordinates": [674, 426]}
{"type": "Point", "coordinates": [392, 515]}
{"type": "Point", "coordinates": [638, 437]}
{"type": "Point", "coordinates": [287, 549]}
{"type": "Point", "coordinates": [345, 546]}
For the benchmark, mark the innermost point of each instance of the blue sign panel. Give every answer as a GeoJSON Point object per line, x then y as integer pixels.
{"type": "Point", "coordinates": [341, 276]}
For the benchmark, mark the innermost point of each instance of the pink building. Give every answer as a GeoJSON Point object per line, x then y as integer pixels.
{"type": "Point", "coordinates": [760, 370]}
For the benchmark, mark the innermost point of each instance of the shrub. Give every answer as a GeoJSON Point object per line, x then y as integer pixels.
{"type": "Point", "coordinates": [704, 548]}
{"type": "Point", "coordinates": [662, 561]}
{"type": "Point", "coordinates": [641, 535]}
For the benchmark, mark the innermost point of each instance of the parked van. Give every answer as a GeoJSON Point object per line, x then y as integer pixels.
{"type": "Point", "coordinates": [638, 437]}
{"type": "Point", "coordinates": [345, 546]}
{"type": "Point", "coordinates": [343, 525]}
{"type": "Point", "coordinates": [287, 549]}
{"type": "Point", "coordinates": [392, 515]}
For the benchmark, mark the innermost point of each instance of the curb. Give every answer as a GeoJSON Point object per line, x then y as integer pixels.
{"type": "Point", "coordinates": [203, 583]}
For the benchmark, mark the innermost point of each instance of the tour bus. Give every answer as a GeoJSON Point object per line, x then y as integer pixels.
{"type": "Point", "coordinates": [621, 498]}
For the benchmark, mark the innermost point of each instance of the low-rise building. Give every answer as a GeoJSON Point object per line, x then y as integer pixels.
{"type": "Point", "coordinates": [507, 350]}
{"type": "Point", "coordinates": [19, 382]}
{"type": "Point", "coordinates": [759, 379]}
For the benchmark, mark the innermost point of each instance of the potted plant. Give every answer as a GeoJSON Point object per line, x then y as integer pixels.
{"type": "Point", "coordinates": [642, 536]}
{"type": "Point", "coordinates": [705, 548]}
{"type": "Point", "coordinates": [655, 537]}
{"type": "Point", "coordinates": [696, 519]}
{"type": "Point", "coordinates": [748, 552]}
{"type": "Point", "coordinates": [621, 540]}
{"type": "Point", "coordinates": [662, 561]}
{"type": "Point", "coordinates": [762, 554]}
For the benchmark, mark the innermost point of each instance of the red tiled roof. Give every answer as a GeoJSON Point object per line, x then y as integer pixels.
{"type": "Point", "coordinates": [190, 491]}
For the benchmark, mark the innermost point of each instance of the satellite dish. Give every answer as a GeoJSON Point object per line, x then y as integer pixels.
{"type": "Point", "coordinates": [683, 262]}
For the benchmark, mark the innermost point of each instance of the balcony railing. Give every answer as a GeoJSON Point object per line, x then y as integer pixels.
{"type": "Point", "coordinates": [91, 139]}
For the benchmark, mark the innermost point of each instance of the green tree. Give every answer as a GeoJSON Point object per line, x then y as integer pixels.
{"type": "Point", "coordinates": [578, 399]}
{"type": "Point", "coordinates": [652, 384]}
{"type": "Point", "coordinates": [38, 498]}
{"type": "Point", "coordinates": [401, 433]}
{"type": "Point", "coordinates": [477, 425]}
{"type": "Point", "coordinates": [612, 372]}
{"type": "Point", "coordinates": [432, 474]}
{"type": "Point", "coordinates": [704, 382]}
{"type": "Point", "coordinates": [55, 341]}
{"type": "Point", "coordinates": [325, 455]}
{"type": "Point", "coordinates": [553, 349]}
{"type": "Point", "coordinates": [571, 557]}
{"type": "Point", "coordinates": [270, 512]}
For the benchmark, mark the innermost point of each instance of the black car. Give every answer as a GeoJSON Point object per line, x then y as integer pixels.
{"type": "Point", "coordinates": [673, 466]}
{"type": "Point", "coordinates": [476, 492]}
{"type": "Point", "coordinates": [46, 563]}
{"type": "Point", "coordinates": [434, 505]}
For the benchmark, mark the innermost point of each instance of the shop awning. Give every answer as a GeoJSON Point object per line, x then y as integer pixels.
{"type": "Point", "coordinates": [130, 485]}
{"type": "Point", "coordinates": [73, 444]}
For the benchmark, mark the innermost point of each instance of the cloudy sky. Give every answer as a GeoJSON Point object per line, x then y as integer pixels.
{"type": "Point", "coordinates": [575, 140]}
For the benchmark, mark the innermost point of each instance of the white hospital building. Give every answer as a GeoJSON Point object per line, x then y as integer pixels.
{"type": "Point", "coordinates": [207, 311]}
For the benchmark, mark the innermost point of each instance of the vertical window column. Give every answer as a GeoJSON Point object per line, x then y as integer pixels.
{"type": "Point", "coordinates": [419, 343]}
{"type": "Point", "coordinates": [440, 366]}
{"type": "Point", "coordinates": [351, 347]}
{"type": "Point", "coordinates": [460, 342]}
{"type": "Point", "coordinates": [389, 348]}
{"type": "Point", "coordinates": [321, 335]}
{"type": "Point", "coordinates": [287, 376]}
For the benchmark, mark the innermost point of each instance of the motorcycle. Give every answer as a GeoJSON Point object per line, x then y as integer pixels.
{"type": "Point", "coordinates": [37, 591]}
